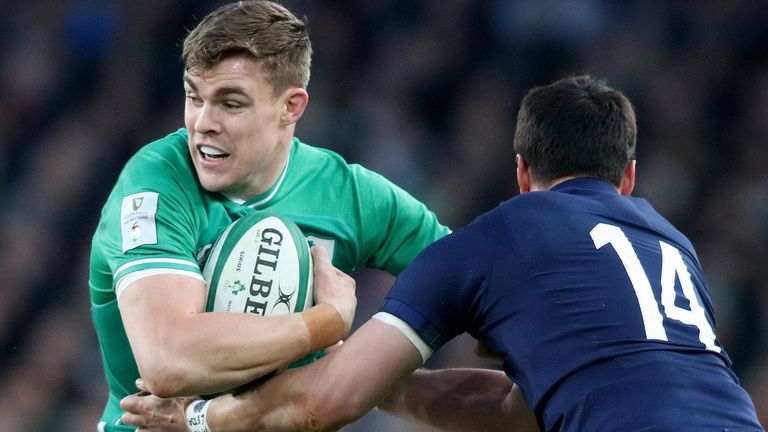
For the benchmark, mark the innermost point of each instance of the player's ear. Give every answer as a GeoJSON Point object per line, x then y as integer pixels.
{"type": "Point", "coordinates": [523, 174]}
{"type": "Point", "coordinates": [295, 100]}
{"type": "Point", "coordinates": [628, 181]}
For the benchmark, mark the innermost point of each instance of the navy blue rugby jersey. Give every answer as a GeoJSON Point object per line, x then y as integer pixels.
{"type": "Point", "coordinates": [597, 304]}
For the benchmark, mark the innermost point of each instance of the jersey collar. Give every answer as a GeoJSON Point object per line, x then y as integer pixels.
{"type": "Point", "coordinates": [586, 184]}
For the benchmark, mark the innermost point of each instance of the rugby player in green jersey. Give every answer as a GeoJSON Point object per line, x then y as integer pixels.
{"type": "Point", "coordinates": [246, 69]}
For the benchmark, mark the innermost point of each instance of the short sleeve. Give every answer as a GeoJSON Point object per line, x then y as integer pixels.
{"type": "Point", "coordinates": [150, 221]}
{"type": "Point", "coordinates": [438, 295]}
{"type": "Point", "coordinates": [400, 226]}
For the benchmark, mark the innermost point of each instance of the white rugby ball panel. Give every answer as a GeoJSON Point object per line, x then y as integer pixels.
{"type": "Point", "coordinates": [260, 264]}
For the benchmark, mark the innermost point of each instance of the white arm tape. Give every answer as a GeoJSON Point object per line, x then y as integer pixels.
{"type": "Point", "coordinates": [197, 416]}
{"type": "Point", "coordinates": [408, 332]}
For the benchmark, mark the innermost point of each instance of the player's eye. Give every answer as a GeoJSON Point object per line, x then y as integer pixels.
{"type": "Point", "coordinates": [231, 105]}
{"type": "Point", "coordinates": [194, 98]}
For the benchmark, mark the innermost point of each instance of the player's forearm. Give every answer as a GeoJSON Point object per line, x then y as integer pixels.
{"type": "Point", "coordinates": [298, 399]}
{"type": "Point", "coordinates": [326, 394]}
{"type": "Point", "coordinates": [294, 400]}
{"type": "Point", "coordinates": [461, 400]}
{"type": "Point", "coordinates": [250, 411]}
{"type": "Point", "coordinates": [216, 352]}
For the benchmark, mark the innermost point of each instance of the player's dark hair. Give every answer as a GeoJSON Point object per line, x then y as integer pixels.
{"type": "Point", "coordinates": [577, 126]}
{"type": "Point", "coordinates": [262, 30]}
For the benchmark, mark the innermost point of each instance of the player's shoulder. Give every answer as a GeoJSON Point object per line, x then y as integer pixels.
{"type": "Point", "coordinates": [164, 157]}
{"type": "Point", "coordinates": [529, 207]}
{"type": "Point", "coordinates": [170, 148]}
{"type": "Point", "coordinates": [536, 220]}
{"type": "Point", "coordinates": [663, 226]}
{"type": "Point", "coordinates": [161, 166]}
{"type": "Point", "coordinates": [334, 167]}
{"type": "Point", "coordinates": [311, 156]}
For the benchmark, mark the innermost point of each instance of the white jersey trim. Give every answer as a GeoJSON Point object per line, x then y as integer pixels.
{"type": "Point", "coordinates": [277, 186]}
{"type": "Point", "coordinates": [130, 278]}
{"type": "Point", "coordinates": [157, 260]}
{"type": "Point", "coordinates": [408, 332]}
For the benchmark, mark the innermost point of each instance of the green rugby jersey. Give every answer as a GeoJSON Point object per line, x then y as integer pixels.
{"type": "Point", "coordinates": [158, 220]}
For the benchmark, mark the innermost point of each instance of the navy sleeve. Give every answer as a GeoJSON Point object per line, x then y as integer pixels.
{"type": "Point", "coordinates": [439, 292]}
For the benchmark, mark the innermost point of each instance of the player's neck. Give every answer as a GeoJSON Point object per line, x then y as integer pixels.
{"type": "Point", "coordinates": [265, 180]}
{"type": "Point", "coordinates": [541, 187]}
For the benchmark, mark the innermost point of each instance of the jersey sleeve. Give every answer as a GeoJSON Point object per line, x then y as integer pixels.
{"type": "Point", "coordinates": [149, 224]}
{"type": "Point", "coordinates": [398, 225]}
{"type": "Point", "coordinates": [439, 294]}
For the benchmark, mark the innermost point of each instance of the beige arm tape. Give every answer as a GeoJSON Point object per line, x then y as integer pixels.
{"type": "Point", "coordinates": [325, 326]}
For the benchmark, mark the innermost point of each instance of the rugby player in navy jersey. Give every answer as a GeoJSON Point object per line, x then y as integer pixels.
{"type": "Point", "coordinates": [597, 307]}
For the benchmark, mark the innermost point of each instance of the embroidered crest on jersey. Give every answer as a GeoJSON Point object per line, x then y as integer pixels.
{"type": "Point", "coordinates": [137, 220]}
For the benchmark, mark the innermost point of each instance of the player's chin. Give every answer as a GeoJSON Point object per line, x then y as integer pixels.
{"type": "Point", "coordinates": [212, 182]}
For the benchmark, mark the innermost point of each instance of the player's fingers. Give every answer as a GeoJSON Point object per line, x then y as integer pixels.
{"type": "Point", "coordinates": [140, 384]}
{"type": "Point", "coordinates": [320, 256]}
{"type": "Point", "coordinates": [322, 263]}
{"type": "Point", "coordinates": [323, 267]}
{"type": "Point", "coordinates": [132, 419]}
{"type": "Point", "coordinates": [132, 402]}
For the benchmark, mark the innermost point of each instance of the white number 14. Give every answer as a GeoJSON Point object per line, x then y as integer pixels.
{"type": "Point", "coordinates": [672, 266]}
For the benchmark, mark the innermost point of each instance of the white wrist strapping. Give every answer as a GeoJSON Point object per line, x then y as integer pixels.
{"type": "Point", "coordinates": [197, 416]}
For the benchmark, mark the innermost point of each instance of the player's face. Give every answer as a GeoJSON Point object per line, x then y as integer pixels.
{"type": "Point", "coordinates": [238, 138]}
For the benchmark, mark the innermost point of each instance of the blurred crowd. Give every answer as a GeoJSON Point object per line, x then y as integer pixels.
{"type": "Point", "coordinates": [424, 92]}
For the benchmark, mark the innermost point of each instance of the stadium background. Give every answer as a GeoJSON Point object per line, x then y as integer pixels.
{"type": "Point", "coordinates": [424, 92]}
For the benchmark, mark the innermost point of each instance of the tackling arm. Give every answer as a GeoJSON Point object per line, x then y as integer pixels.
{"type": "Point", "coordinates": [329, 393]}
{"type": "Point", "coordinates": [373, 367]}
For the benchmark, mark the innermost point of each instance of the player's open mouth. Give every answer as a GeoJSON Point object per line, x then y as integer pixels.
{"type": "Point", "coordinates": [211, 153]}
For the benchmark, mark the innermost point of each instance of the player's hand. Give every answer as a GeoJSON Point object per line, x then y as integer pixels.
{"type": "Point", "coordinates": [153, 414]}
{"type": "Point", "coordinates": [333, 286]}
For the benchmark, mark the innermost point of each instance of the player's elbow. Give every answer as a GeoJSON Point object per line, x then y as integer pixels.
{"type": "Point", "coordinates": [163, 381]}
{"type": "Point", "coordinates": [168, 369]}
{"type": "Point", "coordinates": [164, 377]}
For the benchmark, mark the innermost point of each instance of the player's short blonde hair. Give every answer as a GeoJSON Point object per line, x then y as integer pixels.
{"type": "Point", "coordinates": [262, 30]}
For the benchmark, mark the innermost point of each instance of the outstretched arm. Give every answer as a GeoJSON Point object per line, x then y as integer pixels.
{"type": "Point", "coordinates": [333, 391]}
{"type": "Point", "coordinates": [373, 367]}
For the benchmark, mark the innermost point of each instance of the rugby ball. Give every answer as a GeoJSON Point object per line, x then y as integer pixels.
{"type": "Point", "coordinates": [261, 265]}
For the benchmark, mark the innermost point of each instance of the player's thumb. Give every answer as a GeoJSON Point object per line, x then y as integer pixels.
{"type": "Point", "coordinates": [320, 257]}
